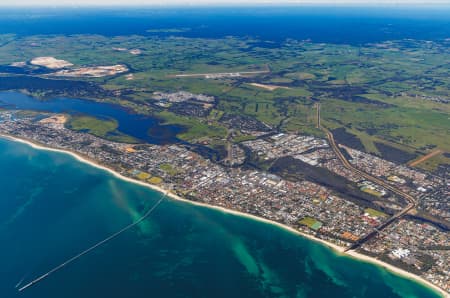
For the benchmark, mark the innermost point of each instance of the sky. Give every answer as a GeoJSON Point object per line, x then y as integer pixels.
{"type": "Point", "coordinates": [213, 2]}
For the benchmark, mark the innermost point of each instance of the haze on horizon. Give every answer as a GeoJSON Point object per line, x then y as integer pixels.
{"type": "Point", "coordinates": [218, 2]}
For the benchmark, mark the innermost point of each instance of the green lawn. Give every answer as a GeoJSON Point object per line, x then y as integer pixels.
{"type": "Point", "coordinates": [311, 223]}
{"type": "Point", "coordinates": [195, 128]}
{"type": "Point", "coordinates": [103, 128]}
{"type": "Point", "coordinates": [375, 213]}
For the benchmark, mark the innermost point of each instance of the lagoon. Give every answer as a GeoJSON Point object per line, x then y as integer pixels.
{"type": "Point", "coordinates": [143, 128]}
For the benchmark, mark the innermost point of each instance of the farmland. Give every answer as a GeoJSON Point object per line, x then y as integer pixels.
{"type": "Point", "coordinates": [392, 97]}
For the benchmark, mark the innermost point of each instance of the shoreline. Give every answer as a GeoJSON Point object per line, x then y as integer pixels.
{"type": "Point", "coordinates": [335, 248]}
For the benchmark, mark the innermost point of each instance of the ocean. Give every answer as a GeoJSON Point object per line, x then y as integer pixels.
{"type": "Point", "coordinates": [340, 25]}
{"type": "Point", "coordinates": [53, 206]}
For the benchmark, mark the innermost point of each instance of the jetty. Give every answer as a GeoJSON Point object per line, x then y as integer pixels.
{"type": "Point", "coordinates": [86, 251]}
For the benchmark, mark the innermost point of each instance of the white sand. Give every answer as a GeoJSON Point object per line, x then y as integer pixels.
{"type": "Point", "coordinates": [50, 62]}
{"type": "Point", "coordinates": [336, 248]}
{"type": "Point", "coordinates": [92, 72]}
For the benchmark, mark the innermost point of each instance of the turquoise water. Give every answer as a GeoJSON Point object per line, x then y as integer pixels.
{"type": "Point", "coordinates": [52, 207]}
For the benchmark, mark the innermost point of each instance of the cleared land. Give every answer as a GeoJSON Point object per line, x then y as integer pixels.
{"type": "Point", "coordinates": [268, 87]}
{"type": "Point", "coordinates": [92, 72]}
{"type": "Point", "coordinates": [50, 62]}
{"type": "Point", "coordinates": [426, 157]}
{"type": "Point", "coordinates": [57, 119]}
{"type": "Point", "coordinates": [383, 111]}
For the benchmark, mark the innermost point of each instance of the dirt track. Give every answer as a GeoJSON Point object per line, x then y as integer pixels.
{"type": "Point", "coordinates": [425, 157]}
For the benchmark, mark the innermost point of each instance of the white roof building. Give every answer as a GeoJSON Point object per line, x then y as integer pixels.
{"type": "Point", "coordinates": [401, 253]}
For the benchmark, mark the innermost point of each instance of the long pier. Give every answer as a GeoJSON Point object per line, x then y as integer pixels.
{"type": "Point", "coordinates": [109, 238]}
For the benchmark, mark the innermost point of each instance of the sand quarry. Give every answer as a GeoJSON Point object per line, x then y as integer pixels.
{"type": "Point", "coordinates": [50, 62]}
{"type": "Point", "coordinates": [92, 72]}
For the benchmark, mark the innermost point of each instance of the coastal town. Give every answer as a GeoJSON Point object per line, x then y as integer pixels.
{"type": "Point", "coordinates": [275, 150]}
{"type": "Point", "coordinates": [342, 210]}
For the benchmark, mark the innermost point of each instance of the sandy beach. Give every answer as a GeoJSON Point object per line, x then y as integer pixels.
{"type": "Point", "coordinates": [338, 249]}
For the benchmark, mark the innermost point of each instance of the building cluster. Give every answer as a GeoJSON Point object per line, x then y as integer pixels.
{"type": "Point", "coordinates": [435, 98]}
{"type": "Point", "coordinates": [316, 152]}
{"type": "Point", "coordinates": [311, 150]}
{"type": "Point", "coordinates": [432, 192]}
{"type": "Point", "coordinates": [189, 175]}
{"type": "Point", "coordinates": [185, 103]}
{"type": "Point", "coordinates": [245, 124]}
{"type": "Point", "coordinates": [418, 247]}
{"type": "Point", "coordinates": [236, 155]}
{"type": "Point", "coordinates": [181, 96]}
{"type": "Point", "coordinates": [303, 205]}
{"type": "Point", "coordinates": [281, 145]}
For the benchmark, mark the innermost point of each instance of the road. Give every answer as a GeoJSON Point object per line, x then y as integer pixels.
{"type": "Point", "coordinates": [412, 203]}
{"type": "Point", "coordinates": [426, 157]}
{"type": "Point", "coordinates": [318, 115]}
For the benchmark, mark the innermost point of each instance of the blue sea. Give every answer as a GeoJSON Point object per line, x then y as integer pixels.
{"type": "Point", "coordinates": [52, 207]}
{"type": "Point", "coordinates": [348, 25]}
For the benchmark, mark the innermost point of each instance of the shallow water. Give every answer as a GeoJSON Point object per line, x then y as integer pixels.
{"type": "Point", "coordinates": [53, 206]}
{"type": "Point", "coordinates": [143, 128]}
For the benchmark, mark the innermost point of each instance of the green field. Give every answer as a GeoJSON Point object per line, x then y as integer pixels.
{"type": "Point", "coordinates": [197, 129]}
{"type": "Point", "coordinates": [143, 176]}
{"type": "Point", "coordinates": [392, 93]}
{"type": "Point", "coordinates": [433, 163]}
{"type": "Point", "coordinates": [376, 213]}
{"type": "Point", "coordinates": [371, 191]}
{"type": "Point", "coordinates": [311, 223]}
{"type": "Point", "coordinates": [168, 168]}
{"type": "Point", "coordinates": [99, 127]}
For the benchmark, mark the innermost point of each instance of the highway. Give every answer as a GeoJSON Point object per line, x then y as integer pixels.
{"type": "Point", "coordinates": [412, 203]}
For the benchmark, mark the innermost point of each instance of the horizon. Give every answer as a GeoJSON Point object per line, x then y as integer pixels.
{"type": "Point", "coordinates": [252, 148]}
{"type": "Point", "coordinates": [226, 3]}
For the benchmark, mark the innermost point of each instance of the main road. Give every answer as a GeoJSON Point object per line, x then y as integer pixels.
{"type": "Point", "coordinates": [412, 203]}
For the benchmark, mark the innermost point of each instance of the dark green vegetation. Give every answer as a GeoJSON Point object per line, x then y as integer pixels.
{"type": "Point", "coordinates": [42, 87]}
{"type": "Point", "coordinates": [391, 98]}
{"type": "Point", "coordinates": [439, 162]}
{"type": "Point", "coordinates": [296, 170]}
